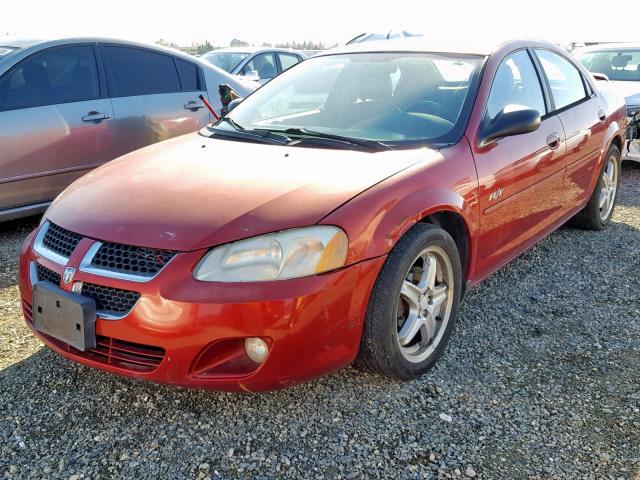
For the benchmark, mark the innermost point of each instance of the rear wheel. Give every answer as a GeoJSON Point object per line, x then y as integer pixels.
{"type": "Point", "coordinates": [598, 212]}
{"type": "Point", "coordinates": [413, 306]}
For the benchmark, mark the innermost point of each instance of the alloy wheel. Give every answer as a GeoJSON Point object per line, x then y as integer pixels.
{"type": "Point", "coordinates": [608, 188]}
{"type": "Point", "coordinates": [425, 304]}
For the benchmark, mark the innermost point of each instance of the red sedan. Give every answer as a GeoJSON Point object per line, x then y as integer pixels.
{"type": "Point", "coordinates": [339, 213]}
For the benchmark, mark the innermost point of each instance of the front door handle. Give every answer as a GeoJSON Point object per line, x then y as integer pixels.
{"type": "Point", "coordinates": [553, 141]}
{"type": "Point", "coordinates": [193, 105]}
{"type": "Point", "coordinates": [95, 117]}
{"type": "Point", "coordinates": [602, 115]}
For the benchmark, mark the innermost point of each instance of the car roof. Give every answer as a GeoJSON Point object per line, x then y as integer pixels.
{"type": "Point", "coordinates": [18, 42]}
{"type": "Point", "coordinates": [52, 42]}
{"type": "Point", "coordinates": [29, 46]}
{"type": "Point", "coordinates": [456, 45]}
{"type": "Point", "coordinates": [602, 47]}
{"type": "Point", "coordinates": [250, 50]}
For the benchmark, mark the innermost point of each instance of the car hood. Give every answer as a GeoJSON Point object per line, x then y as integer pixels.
{"type": "Point", "coordinates": [629, 90]}
{"type": "Point", "coordinates": [193, 192]}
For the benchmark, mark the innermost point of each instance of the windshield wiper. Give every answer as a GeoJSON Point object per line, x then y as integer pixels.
{"type": "Point", "coordinates": [304, 132]}
{"type": "Point", "coordinates": [242, 133]}
{"type": "Point", "coordinates": [232, 122]}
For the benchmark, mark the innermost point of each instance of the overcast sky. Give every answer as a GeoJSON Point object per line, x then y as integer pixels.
{"type": "Point", "coordinates": [328, 21]}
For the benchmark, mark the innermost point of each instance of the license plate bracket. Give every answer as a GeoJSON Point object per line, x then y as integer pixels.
{"type": "Point", "coordinates": [66, 316]}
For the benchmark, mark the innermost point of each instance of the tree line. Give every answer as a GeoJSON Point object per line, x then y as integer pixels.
{"type": "Point", "coordinates": [204, 47]}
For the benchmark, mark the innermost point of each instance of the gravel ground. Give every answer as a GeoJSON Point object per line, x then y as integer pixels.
{"type": "Point", "coordinates": [541, 380]}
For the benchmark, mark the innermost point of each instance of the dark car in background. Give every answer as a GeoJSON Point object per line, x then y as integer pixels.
{"type": "Point", "coordinates": [69, 105]}
{"type": "Point", "coordinates": [254, 63]}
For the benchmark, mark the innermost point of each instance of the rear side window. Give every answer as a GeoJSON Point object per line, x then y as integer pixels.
{"type": "Point", "coordinates": [141, 72]}
{"type": "Point", "coordinates": [564, 78]}
{"type": "Point", "coordinates": [287, 60]}
{"type": "Point", "coordinates": [58, 75]}
{"type": "Point", "coordinates": [516, 85]}
{"type": "Point", "coordinates": [188, 76]}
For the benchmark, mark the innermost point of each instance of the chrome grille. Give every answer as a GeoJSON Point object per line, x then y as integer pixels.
{"type": "Point", "coordinates": [61, 241]}
{"type": "Point", "coordinates": [46, 275]}
{"type": "Point", "coordinates": [131, 260]}
{"type": "Point", "coordinates": [109, 299]}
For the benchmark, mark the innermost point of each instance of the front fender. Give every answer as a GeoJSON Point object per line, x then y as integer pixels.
{"type": "Point", "coordinates": [377, 218]}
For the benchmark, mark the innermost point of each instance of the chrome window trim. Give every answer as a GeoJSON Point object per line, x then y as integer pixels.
{"type": "Point", "coordinates": [43, 251]}
{"type": "Point", "coordinates": [87, 267]}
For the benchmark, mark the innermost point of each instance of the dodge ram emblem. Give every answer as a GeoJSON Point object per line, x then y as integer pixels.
{"type": "Point", "coordinates": [68, 274]}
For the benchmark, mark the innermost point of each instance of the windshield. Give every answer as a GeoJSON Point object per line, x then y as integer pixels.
{"type": "Point", "coordinates": [619, 65]}
{"type": "Point", "coordinates": [226, 61]}
{"type": "Point", "coordinates": [385, 97]}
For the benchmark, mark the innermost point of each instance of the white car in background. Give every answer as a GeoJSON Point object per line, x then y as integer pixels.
{"type": "Point", "coordinates": [620, 63]}
{"type": "Point", "coordinates": [254, 63]}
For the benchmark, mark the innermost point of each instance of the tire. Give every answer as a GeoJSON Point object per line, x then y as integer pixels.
{"type": "Point", "coordinates": [386, 346]}
{"type": "Point", "coordinates": [594, 216]}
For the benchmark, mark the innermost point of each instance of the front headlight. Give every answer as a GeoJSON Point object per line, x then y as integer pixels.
{"type": "Point", "coordinates": [295, 253]}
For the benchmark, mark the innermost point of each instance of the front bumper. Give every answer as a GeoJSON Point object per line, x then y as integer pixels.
{"type": "Point", "coordinates": [313, 325]}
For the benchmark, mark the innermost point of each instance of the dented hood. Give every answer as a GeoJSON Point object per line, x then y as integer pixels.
{"type": "Point", "coordinates": [193, 192]}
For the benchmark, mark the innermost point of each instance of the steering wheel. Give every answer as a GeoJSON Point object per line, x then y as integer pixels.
{"type": "Point", "coordinates": [430, 107]}
{"type": "Point", "coordinates": [405, 126]}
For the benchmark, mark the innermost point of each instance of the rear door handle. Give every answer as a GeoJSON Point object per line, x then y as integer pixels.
{"type": "Point", "coordinates": [193, 105]}
{"type": "Point", "coordinates": [602, 115]}
{"type": "Point", "coordinates": [553, 141]}
{"type": "Point", "coordinates": [95, 117]}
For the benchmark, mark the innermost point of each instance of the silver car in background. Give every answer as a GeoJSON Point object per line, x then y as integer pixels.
{"type": "Point", "coordinates": [69, 105]}
{"type": "Point", "coordinates": [254, 63]}
{"type": "Point", "coordinates": [620, 63]}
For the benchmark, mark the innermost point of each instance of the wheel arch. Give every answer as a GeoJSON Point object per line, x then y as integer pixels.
{"type": "Point", "coordinates": [455, 225]}
{"type": "Point", "coordinates": [617, 141]}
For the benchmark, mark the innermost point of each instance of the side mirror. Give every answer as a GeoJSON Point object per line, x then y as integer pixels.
{"type": "Point", "coordinates": [234, 103]}
{"type": "Point", "coordinates": [508, 123]}
{"type": "Point", "coordinates": [251, 75]}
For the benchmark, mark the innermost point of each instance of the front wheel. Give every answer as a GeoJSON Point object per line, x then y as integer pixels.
{"type": "Point", "coordinates": [597, 214]}
{"type": "Point", "coordinates": [413, 305]}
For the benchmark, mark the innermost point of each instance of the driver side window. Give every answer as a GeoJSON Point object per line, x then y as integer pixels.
{"type": "Point", "coordinates": [264, 65]}
{"type": "Point", "coordinates": [515, 86]}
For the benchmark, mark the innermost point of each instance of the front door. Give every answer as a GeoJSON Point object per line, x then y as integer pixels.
{"type": "Point", "coordinates": [520, 177]}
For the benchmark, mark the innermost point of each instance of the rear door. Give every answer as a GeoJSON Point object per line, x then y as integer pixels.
{"type": "Point", "coordinates": [520, 177]}
{"type": "Point", "coordinates": [56, 123]}
{"type": "Point", "coordinates": [154, 95]}
{"type": "Point", "coordinates": [583, 117]}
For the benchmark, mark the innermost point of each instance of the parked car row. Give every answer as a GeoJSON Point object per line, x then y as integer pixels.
{"type": "Point", "coordinates": [67, 106]}
{"type": "Point", "coordinates": [338, 213]}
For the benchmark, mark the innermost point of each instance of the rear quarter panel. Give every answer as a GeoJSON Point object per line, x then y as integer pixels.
{"type": "Point", "coordinates": [616, 123]}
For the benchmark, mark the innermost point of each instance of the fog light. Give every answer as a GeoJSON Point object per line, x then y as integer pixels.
{"type": "Point", "coordinates": [256, 349]}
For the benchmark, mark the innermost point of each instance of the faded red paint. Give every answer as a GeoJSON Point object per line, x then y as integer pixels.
{"type": "Point", "coordinates": [191, 193]}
